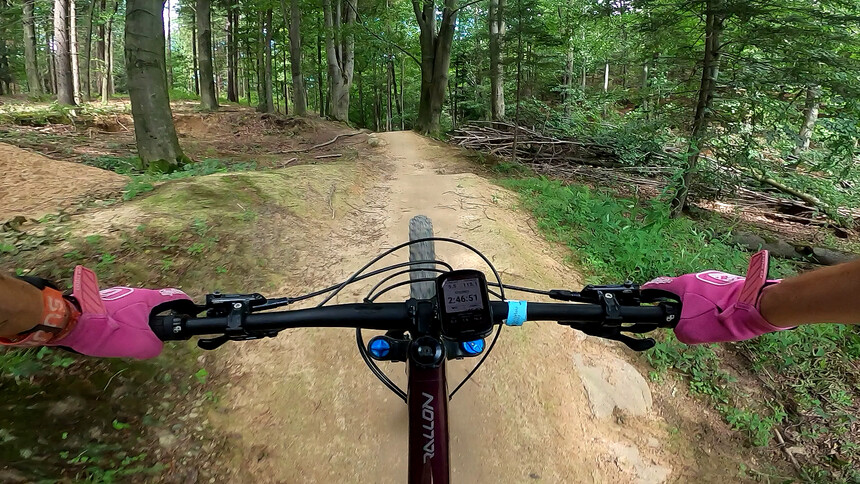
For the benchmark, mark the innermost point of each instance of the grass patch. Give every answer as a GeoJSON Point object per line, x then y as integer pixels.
{"type": "Point", "coordinates": [817, 388]}
{"type": "Point", "coordinates": [625, 238]}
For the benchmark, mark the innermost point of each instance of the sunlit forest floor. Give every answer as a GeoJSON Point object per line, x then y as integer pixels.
{"type": "Point", "coordinates": [266, 210]}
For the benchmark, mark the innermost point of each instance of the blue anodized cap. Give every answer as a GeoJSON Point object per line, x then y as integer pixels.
{"type": "Point", "coordinates": [473, 348]}
{"type": "Point", "coordinates": [379, 347]}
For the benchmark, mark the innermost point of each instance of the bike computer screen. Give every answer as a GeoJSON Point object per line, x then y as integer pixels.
{"type": "Point", "coordinates": [464, 306]}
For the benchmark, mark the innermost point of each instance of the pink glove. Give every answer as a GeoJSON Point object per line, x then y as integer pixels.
{"type": "Point", "coordinates": [114, 322]}
{"type": "Point", "coordinates": [718, 307]}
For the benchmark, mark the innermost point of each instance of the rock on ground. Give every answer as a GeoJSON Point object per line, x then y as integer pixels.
{"type": "Point", "coordinates": [613, 383]}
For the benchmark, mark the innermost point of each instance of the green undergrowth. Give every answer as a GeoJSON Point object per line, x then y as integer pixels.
{"type": "Point", "coordinates": [75, 418]}
{"type": "Point", "coordinates": [41, 114]}
{"type": "Point", "coordinates": [810, 376]}
{"type": "Point", "coordinates": [142, 182]}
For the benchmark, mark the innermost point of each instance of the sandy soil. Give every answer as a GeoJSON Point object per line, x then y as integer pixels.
{"type": "Point", "coordinates": [33, 185]}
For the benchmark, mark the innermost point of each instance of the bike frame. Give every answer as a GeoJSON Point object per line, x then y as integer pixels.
{"type": "Point", "coordinates": [427, 399]}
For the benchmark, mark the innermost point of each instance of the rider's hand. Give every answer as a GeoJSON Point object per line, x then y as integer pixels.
{"type": "Point", "coordinates": [114, 322]}
{"type": "Point", "coordinates": [109, 323]}
{"type": "Point", "coordinates": [718, 307]}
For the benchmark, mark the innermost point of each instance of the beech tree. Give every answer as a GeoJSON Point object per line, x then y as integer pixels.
{"type": "Point", "coordinates": [63, 54]}
{"type": "Point", "coordinates": [31, 63]}
{"type": "Point", "coordinates": [203, 16]}
{"type": "Point", "coordinates": [340, 54]}
{"type": "Point", "coordinates": [157, 142]}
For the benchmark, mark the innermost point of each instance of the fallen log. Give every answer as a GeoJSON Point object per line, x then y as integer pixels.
{"type": "Point", "coordinates": [786, 250]}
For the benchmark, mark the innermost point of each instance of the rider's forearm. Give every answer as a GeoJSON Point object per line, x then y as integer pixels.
{"type": "Point", "coordinates": [827, 295]}
{"type": "Point", "coordinates": [20, 306]}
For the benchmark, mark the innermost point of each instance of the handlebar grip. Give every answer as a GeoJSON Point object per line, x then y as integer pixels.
{"type": "Point", "coordinates": [660, 315]}
{"type": "Point", "coordinates": [167, 327]}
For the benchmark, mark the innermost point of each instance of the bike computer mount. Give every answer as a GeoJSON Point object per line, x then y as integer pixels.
{"type": "Point", "coordinates": [464, 305]}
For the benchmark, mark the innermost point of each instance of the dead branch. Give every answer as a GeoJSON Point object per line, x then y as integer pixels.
{"type": "Point", "coordinates": [335, 155]}
{"type": "Point", "coordinates": [344, 135]}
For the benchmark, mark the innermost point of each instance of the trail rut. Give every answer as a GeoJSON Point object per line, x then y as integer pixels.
{"type": "Point", "coordinates": [549, 404]}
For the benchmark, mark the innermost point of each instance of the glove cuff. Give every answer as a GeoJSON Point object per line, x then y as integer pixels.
{"type": "Point", "coordinates": [59, 318]}
{"type": "Point", "coordinates": [756, 279]}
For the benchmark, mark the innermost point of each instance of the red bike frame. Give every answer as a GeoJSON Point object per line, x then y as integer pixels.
{"type": "Point", "coordinates": [427, 398]}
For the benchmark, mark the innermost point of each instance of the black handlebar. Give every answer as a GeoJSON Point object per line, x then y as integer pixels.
{"type": "Point", "coordinates": [591, 318]}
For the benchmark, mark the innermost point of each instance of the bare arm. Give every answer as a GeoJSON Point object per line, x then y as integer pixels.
{"type": "Point", "coordinates": [20, 306]}
{"type": "Point", "coordinates": [827, 295]}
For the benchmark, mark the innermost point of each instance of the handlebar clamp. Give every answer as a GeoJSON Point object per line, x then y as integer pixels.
{"type": "Point", "coordinates": [236, 307]}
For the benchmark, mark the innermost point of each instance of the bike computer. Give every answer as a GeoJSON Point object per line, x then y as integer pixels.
{"type": "Point", "coordinates": [464, 305]}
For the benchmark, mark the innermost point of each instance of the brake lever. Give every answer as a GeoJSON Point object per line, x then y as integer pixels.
{"type": "Point", "coordinates": [212, 343]}
{"type": "Point", "coordinates": [614, 333]}
{"type": "Point", "coordinates": [236, 307]}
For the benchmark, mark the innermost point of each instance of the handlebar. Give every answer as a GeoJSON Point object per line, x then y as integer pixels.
{"type": "Point", "coordinates": [593, 319]}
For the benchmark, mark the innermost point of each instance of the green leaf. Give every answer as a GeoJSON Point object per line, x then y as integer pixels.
{"type": "Point", "coordinates": [120, 425]}
{"type": "Point", "coordinates": [201, 375]}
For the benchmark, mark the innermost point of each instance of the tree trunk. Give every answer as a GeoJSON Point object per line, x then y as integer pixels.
{"type": "Point", "coordinates": [519, 76]}
{"type": "Point", "coordinates": [265, 103]}
{"type": "Point", "coordinates": [203, 15]}
{"type": "Point", "coordinates": [376, 109]}
{"type": "Point", "coordinates": [397, 100]}
{"type": "Point", "coordinates": [268, 61]}
{"type": "Point", "coordinates": [5, 71]}
{"type": "Point", "coordinates": [73, 50]}
{"type": "Point", "coordinates": [435, 61]}
{"type": "Point", "coordinates": [111, 54]}
{"type": "Point", "coordinates": [260, 71]}
{"type": "Point", "coordinates": [157, 143]}
{"type": "Point", "coordinates": [286, 90]}
{"type": "Point", "coordinates": [362, 119]}
{"type": "Point", "coordinates": [710, 70]}
{"type": "Point", "coordinates": [644, 91]}
{"type": "Point", "coordinates": [568, 79]}
{"type": "Point", "coordinates": [169, 45]}
{"type": "Point", "coordinates": [236, 65]}
{"type": "Point", "coordinates": [452, 93]}
{"type": "Point", "coordinates": [810, 116]}
{"type": "Point", "coordinates": [300, 103]}
{"type": "Point", "coordinates": [100, 46]}
{"type": "Point", "coordinates": [248, 71]}
{"type": "Point", "coordinates": [584, 76]}
{"type": "Point", "coordinates": [87, 80]}
{"type": "Point", "coordinates": [476, 19]}
{"type": "Point", "coordinates": [232, 88]}
{"type": "Point", "coordinates": [497, 81]}
{"type": "Point", "coordinates": [51, 80]}
{"type": "Point", "coordinates": [389, 106]}
{"type": "Point", "coordinates": [340, 56]}
{"type": "Point", "coordinates": [320, 69]}
{"type": "Point", "coordinates": [569, 56]}
{"type": "Point", "coordinates": [194, 56]}
{"type": "Point", "coordinates": [31, 63]}
{"type": "Point", "coordinates": [606, 77]}
{"type": "Point", "coordinates": [402, 76]}
{"type": "Point", "coordinates": [107, 71]}
{"type": "Point", "coordinates": [65, 80]}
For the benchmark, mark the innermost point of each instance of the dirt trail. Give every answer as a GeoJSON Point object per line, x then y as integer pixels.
{"type": "Point", "coordinates": [549, 404]}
